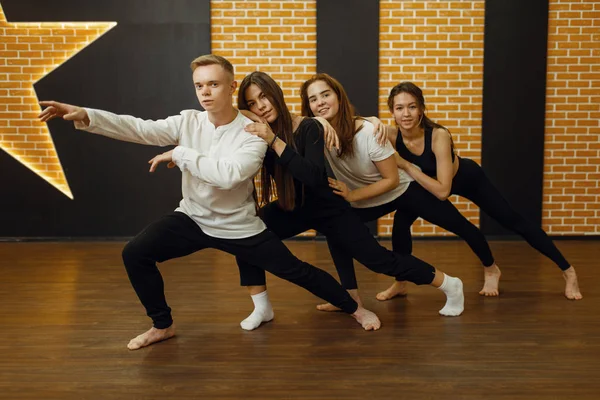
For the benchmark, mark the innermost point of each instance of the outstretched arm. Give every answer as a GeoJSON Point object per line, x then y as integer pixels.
{"type": "Point", "coordinates": [121, 127]}
{"type": "Point", "coordinates": [67, 112]}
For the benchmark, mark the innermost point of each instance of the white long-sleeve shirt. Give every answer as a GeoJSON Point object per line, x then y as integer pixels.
{"type": "Point", "coordinates": [218, 165]}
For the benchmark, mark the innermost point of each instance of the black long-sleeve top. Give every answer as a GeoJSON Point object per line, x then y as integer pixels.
{"type": "Point", "coordinates": [308, 166]}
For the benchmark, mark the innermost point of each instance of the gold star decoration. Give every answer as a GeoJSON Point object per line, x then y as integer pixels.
{"type": "Point", "coordinates": [28, 52]}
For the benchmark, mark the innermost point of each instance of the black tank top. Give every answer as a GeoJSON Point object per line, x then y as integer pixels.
{"type": "Point", "coordinates": [425, 161]}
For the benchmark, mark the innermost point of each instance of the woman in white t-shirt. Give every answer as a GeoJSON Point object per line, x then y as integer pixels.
{"type": "Point", "coordinates": [295, 169]}
{"type": "Point", "coordinates": [366, 175]}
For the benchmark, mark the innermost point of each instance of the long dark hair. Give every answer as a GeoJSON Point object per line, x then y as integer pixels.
{"type": "Point", "coordinates": [282, 126]}
{"type": "Point", "coordinates": [343, 122]}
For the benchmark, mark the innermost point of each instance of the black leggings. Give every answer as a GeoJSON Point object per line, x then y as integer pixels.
{"type": "Point", "coordinates": [471, 183]}
{"type": "Point", "coordinates": [177, 235]}
{"type": "Point", "coordinates": [345, 229]}
{"type": "Point", "coordinates": [415, 201]}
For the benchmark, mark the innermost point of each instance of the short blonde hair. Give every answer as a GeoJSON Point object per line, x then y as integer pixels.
{"type": "Point", "coordinates": [211, 59]}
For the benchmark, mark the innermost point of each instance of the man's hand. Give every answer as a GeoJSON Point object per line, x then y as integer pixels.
{"type": "Point", "coordinates": [164, 157]}
{"type": "Point", "coordinates": [67, 112]}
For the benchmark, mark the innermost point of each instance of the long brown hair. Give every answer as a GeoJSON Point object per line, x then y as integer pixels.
{"type": "Point", "coordinates": [343, 122]}
{"type": "Point", "coordinates": [282, 126]}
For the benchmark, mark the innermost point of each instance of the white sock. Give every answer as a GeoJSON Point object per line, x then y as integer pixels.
{"type": "Point", "coordinates": [263, 312]}
{"type": "Point", "coordinates": [455, 299]}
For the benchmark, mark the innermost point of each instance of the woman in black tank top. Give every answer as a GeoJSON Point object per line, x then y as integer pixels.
{"type": "Point", "coordinates": [367, 176]}
{"type": "Point", "coordinates": [295, 172]}
{"type": "Point", "coordinates": [422, 143]}
{"type": "Point", "coordinates": [426, 160]}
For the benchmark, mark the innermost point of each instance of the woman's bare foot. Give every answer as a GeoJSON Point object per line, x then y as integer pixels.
{"type": "Point", "coordinates": [367, 319]}
{"type": "Point", "coordinates": [398, 288]}
{"type": "Point", "coordinates": [491, 277]}
{"type": "Point", "coordinates": [327, 307]}
{"type": "Point", "coordinates": [151, 336]}
{"type": "Point", "coordinates": [572, 285]}
{"type": "Point", "coordinates": [330, 307]}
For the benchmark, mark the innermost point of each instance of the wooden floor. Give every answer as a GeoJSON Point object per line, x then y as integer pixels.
{"type": "Point", "coordinates": [68, 313]}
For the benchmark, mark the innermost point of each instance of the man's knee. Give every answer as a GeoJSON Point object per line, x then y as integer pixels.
{"type": "Point", "coordinates": [132, 252]}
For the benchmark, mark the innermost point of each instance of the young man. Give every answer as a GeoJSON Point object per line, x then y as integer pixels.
{"type": "Point", "coordinates": [218, 160]}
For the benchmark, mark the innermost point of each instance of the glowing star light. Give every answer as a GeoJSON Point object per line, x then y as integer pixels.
{"type": "Point", "coordinates": [28, 52]}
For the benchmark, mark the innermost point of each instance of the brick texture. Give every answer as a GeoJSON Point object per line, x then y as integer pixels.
{"type": "Point", "coordinates": [439, 47]}
{"type": "Point", "coordinates": [572, 137]}
{"type": "Point", "coordinates": [276, 37]}
{"type": "Point", "coordinates": [28, 52]}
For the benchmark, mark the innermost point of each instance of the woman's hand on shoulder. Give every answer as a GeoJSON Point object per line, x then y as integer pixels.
{"type": "Point", "coordinates": [329, 134]}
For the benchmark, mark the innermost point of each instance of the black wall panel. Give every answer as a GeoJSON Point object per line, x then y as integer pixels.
{"type": "Point", "coordinates": [348, 50]}
{"type": "Point", "coordinates": [514, 96]}
{"type": "Point", "coordinates": [140, 67]}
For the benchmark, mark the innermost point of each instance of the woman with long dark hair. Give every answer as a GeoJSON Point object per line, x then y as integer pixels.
{"type": "Point", "coordinates": [422, 143]}
{"type": "Point", "coordinates": [363, 169]}
{"type": "Point", "coordinates": [295, 170]}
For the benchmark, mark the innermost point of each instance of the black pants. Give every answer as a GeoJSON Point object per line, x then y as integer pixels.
{"type": "Point", "coordinates": [177, 235]}
{"type": "Point", "coordinates": [471, 183]}
{"type": "Point", "coordinates": [344, 229]}
{"type": "Point", "coordinates": [415, 201]}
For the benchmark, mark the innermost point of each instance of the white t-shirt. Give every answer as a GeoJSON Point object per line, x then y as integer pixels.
{"type": "Point", "coordinates": [218, 165]}
{"type": "Point", "coordinates": [360, 170]}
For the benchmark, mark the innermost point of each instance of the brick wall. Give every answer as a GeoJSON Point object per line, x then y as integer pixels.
{"type": "Point", "coordinates": [572, 138]}
{"type": "Point", "coordinates": [276, 37]}
{"type": "Point", "coordinates": [439, 47]}
{"type": "Point", "coordinates": [28, 52]}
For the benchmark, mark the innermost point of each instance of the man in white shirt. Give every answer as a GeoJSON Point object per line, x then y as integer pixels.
{"type": "Point", "coordinates": [218, 159]}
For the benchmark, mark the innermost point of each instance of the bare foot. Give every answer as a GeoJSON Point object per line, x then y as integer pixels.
{"type": "Point", "coordinates": [572, 286]}
{"type": "Point", "coordinates": [330, 307]}
{"type": "Point", "coordinates": [327, 307]}
{"type": "Point", "coordinates": [367, 319]}
{"type": "Point", "coordinates": [153, 335]}
{"type": "Point", "coordinates": [491, 277]}
{"type": "Point", "coordinates": [398, 288]}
